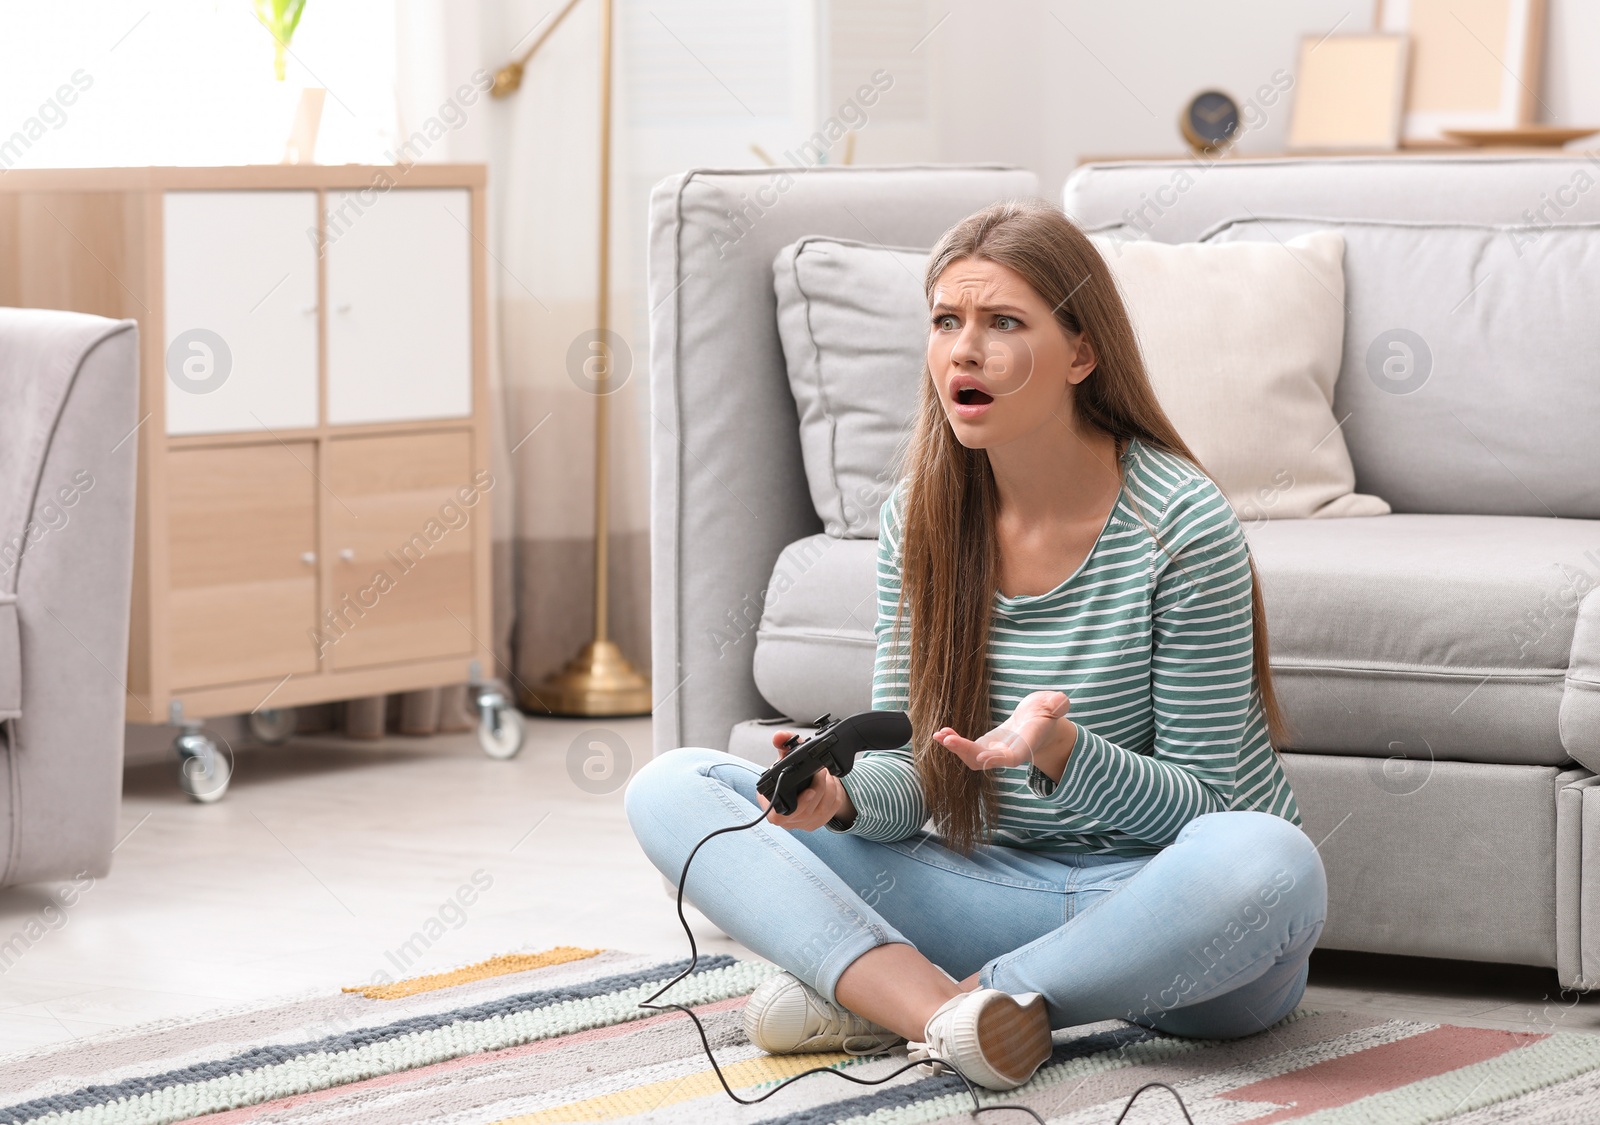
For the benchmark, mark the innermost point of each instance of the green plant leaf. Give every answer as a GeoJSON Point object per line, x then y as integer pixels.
{"type": "Point", "coordinates": [280, 18]}
{"type": "Point", "coordinates": [294, 9]}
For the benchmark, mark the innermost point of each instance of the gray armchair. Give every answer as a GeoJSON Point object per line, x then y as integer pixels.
{"type": "Point", "coordinates": [69, 393]}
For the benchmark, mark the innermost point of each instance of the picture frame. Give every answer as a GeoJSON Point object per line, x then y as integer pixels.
{"type": "Point", "coordinates": [1349, 93]}
{"type": "Point", "coordinates": [1475, 64]}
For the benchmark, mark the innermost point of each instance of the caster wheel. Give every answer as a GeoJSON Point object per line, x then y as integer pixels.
{"type": "Point", "coordinates": [271, 726]}
{"type": "Point", "coordinates": [501, 727]}
{"type": "Point", "coordinates": [203, 770]}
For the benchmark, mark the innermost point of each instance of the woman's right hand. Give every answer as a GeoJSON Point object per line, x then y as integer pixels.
{"type": "Point", "coordinates": [818, 803]}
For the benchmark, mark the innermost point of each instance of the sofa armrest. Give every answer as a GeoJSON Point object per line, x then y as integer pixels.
{"type": "Point", "coordinates": [728, 490]}
{"type": "Point", "coordinates": [67, 466]}
{"type": "Point", "coordinates": [10, 659]}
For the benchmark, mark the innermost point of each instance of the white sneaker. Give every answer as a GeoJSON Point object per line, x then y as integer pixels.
{"type": "Point", "coordinates": [786, 1016]}
{"type": "Point", "coordinates": [995, 1039]}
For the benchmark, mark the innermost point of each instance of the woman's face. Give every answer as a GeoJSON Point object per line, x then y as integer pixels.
{"type": "Point", "coordinates": [1000, 361]}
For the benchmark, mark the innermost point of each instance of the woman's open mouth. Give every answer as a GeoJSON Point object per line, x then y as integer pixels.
{"type": "Point", "coordinates": [969, 402]}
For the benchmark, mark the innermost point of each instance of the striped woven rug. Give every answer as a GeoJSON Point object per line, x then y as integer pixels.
{"type": "Point", "coordinates": [557, 1036]}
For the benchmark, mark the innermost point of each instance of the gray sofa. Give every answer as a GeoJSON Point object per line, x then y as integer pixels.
{"type": "Point", "coordinates": [69, 392]}
{"type": "Point", "coordinates": [1440, 666]}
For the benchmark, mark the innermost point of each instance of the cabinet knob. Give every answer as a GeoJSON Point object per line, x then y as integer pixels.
{"type": "Point", "coordinates": [309, 310]}
{"type": "Point", "coordinates": [309, 558]}
{"type": "Point", "coordinates": [347, 553]}
{"type": "Point", "coordinates": [343, 307]}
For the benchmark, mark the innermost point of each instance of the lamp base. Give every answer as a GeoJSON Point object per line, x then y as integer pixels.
{"type": "Point", "coordinates": [599, 681]}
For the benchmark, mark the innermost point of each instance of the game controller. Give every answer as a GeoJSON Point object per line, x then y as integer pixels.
{"type": "Point", "coordinates": [833, 748]}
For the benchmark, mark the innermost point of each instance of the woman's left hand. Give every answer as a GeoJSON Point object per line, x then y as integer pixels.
{"type": "Point", "coordinates": [1037, 733]}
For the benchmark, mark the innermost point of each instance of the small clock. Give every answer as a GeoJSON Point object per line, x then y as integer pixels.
{"type": "Point", "coordinates": [1210, 122]}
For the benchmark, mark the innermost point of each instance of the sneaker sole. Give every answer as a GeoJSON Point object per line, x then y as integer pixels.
{"type": "Point", "coordinates": [1020, 1035]}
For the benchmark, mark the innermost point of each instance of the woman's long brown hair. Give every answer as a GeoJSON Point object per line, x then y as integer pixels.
{"type": "Point", "coordinates": [947, 527]}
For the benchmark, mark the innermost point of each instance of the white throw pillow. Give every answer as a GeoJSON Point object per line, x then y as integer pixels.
{"type": "Point", "coordinates": [1243, 343]}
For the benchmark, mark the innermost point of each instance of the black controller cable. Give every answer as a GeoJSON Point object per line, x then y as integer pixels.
{"type": "Point", "coordinates": [650, 1004]}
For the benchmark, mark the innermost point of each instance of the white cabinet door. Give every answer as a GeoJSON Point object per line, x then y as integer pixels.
{"type": "Point", "coordinates": [399, 305]}
{"type": "Point", "coordinates": [241, 310]}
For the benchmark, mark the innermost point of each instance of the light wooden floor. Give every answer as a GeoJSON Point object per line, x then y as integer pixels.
{"type": "Point", "coordinates": [327, 856]}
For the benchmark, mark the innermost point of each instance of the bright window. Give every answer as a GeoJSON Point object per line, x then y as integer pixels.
{"type": "Point", "coordinates": [118, 82]}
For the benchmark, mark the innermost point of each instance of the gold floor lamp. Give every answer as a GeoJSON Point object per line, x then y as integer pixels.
{"type": "Point", "coordinates": [599, 680]}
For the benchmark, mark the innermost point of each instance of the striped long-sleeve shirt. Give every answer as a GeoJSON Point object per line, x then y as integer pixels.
{"type": "Point", "coordinates": [1151, 642]}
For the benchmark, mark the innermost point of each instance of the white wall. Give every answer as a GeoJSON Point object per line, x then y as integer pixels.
{"type": "Point", "coordinates": [1045, 85]}
{"type": "Point", "coordinates": [1570, 92]}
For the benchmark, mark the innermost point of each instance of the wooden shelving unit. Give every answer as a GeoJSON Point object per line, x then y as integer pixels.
{"type": "Point", "coordinates": [314, 526]}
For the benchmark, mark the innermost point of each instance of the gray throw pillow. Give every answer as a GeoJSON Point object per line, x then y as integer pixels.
{"type": "Point", "coordinates": [854, 326]}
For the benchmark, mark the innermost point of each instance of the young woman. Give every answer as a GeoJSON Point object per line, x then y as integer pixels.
{"type": "Point", "coordinates": [1068, 610]}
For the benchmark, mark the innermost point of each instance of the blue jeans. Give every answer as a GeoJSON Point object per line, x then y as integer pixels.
{"type": "Point", "coordinates": [1209, 938]}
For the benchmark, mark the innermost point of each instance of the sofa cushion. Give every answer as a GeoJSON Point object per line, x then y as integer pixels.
{"type": "Point", "coordinates": [752, 739]}
{"type": "Point", "coordinates": [1468, 638]}
{"type": "Point", "coordinates": [1468, 381]}
{"type": "Point", "coordinates": [854, 325]}
{"type": "Point", "coordinates": [1242, 342]}
{"type": "Point", "coordinates": [1430, 634]}
{"type": "Point", "coordinates": [815, 646]}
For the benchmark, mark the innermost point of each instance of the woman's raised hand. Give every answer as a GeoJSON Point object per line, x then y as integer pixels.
{"type": "Point", "coordinates": [1037, 733]}
{"type": "Point", "coordinates": [818, 802]}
